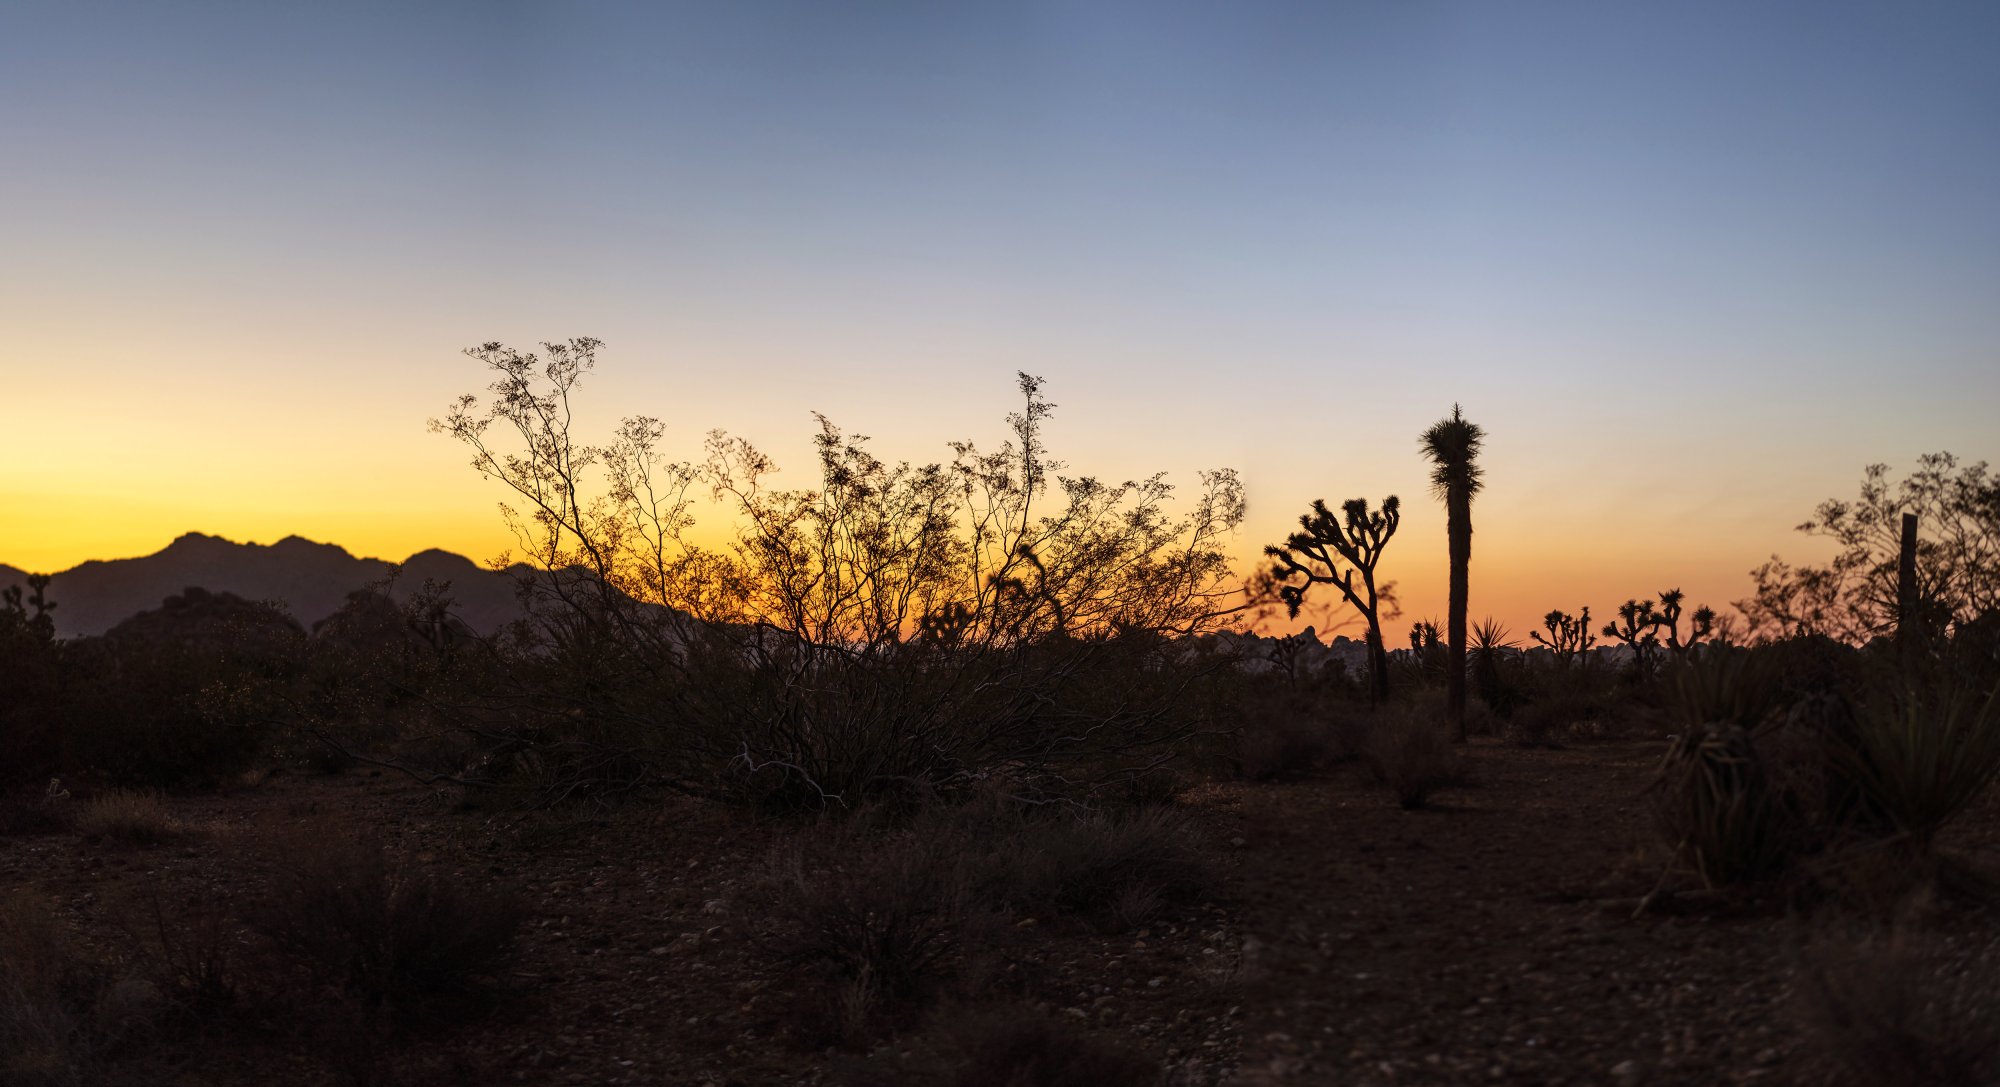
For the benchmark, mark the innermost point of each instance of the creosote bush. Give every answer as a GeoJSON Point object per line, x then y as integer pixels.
{"type": "Point", "coordinates": [895, 627]}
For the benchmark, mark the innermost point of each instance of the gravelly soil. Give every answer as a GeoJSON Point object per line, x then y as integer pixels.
{"type": "Point", "coordinates": [1492, 939]}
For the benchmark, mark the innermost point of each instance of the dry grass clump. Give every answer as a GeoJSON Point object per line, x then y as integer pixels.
{"type": "Point", "coordinates": [887, 918]}
{"type": "Point", "coordinates": [47, 1036]}
{"type": "Point", "coordinates": [876, 923]}
{"type": "Point", "coordinates": [128, 817]}
{"type": "Point", "coordinates": [1120, 869]}
{"type": "Point", "coordinates": [1411, 751]}
{"type": "Point", "coordinates": [1886, 1011]}
{"type": "Point", "coordinates": [1552, 722]}
{"type": "Point", "coordinates": [1277, 742]}
{"type": "Point", "coordinates": [391, 935]}
{"type": "Point", "coordinates": [1015, 1047]}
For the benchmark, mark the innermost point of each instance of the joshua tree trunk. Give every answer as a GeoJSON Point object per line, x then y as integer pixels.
{"type": "Point", "coordinates": [1452, 447]}
{"type": "Point", "coordinates": [1458, 526]}
{"type": "Point", "coordinates": [1378, 666]}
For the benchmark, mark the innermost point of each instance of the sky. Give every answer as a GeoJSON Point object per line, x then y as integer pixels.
{"type": "Point", "coordinates": [1691, 266]}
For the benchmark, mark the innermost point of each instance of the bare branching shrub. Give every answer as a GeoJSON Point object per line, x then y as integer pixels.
{"type": "Point", "coordinates": [896, 625]}
{"type": "Point", "coordinates": [392, 935]}
{"type": "Point", "coordinates": [195, 955]}
{"type": "Point", "coordinates": [1887, 1011]}
{"type": "Point", "coordinates": [127, 817]}
{"type": "Point", "coordinates": [47, 1035]}
{"type": "Point", "coordinates": [1855, 595]}
{"type": "Point", "coordinates": [1411, 751]}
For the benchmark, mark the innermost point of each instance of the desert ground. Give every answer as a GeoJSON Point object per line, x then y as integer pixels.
{"type": "Point", "coordinates": [1496, 935]}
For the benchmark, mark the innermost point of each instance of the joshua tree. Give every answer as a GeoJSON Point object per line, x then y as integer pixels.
{"type": "Point", "coordinates": [1569, 635]}
{"type": "Point", "coordinates": [1318, 550]}
{"type": "Point", "coordinates": [1638, 626]}
{"type": "Point", "coordinates": [1427, 649]}
{"type": "Point", "coordinates": [1668, 618]}
{"type": "Point", "coordinates": [1452, 447]}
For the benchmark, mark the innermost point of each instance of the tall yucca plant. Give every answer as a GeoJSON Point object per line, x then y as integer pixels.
{"type": "Point", "coordinates": [1452, 447]}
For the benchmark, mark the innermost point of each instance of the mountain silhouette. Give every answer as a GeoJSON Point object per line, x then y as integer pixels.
{"type": "Point", "coordinates": [312, 580]}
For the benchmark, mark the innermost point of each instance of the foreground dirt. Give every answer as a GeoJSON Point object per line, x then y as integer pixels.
{"type": "Point", "coordinates": [1492, 939]}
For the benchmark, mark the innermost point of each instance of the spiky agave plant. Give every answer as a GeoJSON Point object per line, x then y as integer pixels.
{"type": "Point", "coordinates": [1490, 643]}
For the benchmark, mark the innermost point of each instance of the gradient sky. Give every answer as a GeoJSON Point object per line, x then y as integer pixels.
{"type": "Point", "coordinates": [1692, 266]}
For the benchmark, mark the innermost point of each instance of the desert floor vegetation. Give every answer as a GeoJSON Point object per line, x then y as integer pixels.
{"type": "Point", "coordinates": [1301, 929]}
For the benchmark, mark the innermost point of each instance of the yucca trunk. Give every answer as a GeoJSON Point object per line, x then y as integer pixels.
{"type": "Point", "coordinates": [1458, 527]}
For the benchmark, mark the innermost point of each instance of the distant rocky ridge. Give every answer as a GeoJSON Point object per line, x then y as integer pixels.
{"type": "Point", "coordinates": [312, 580]}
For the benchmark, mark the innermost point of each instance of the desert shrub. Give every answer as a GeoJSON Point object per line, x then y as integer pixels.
{"type": "Point", "coordinates": [35, 809]}
{"type": "Point", "coordinates": [895, 626]}
{"type": "Point", "coordinates": [127, 817]}
{"type": "Point", "coordinates": [1411, 752]}
{"type": "Point", "coordinates": [1727, 809]}
{"type": "Point", "coordinates": [876, 919]}
{"type": "Point", "coordinates": [397, 937]}
{"type": "Point", "coordinates": [164, 714]}
{"type": "Point", "coordinates": [48, 1035]}
{"type": "Point", "coordinates": [194, 954]}
{"type": "Point", "coordinates": [33, 687]}
{"type": "Point", "coordinates": [1746, 789]}
{"type": "Point", "coordinates": [1118, 868]}
{"type": "Point", "coordinates": [1918, 755]}
{"type": "Point", "coordinates": [1550, 722]}
{"type": "Point", "coordinates": [1885, 1011]}
{"type": "Point", "coordinates": [1018, 1048]}
{"type": "Point", "coordinates": [1279, 734]}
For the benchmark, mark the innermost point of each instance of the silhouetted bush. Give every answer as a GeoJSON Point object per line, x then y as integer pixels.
{"type": "Point", "coordinates": [1555, 720]}
{"type": "Point", "coordinates": [394, 936]}
{"type": "Point", "coordinates": [1276, 744]}
{"type": "Point", "coordinates": [895, 627]}
{"type": "Point", "coordinates": [48, 1032]}
{"type": "Point", "coordinates": [1016, 1047]}
{"type": "Point", "coordinates": [877, 925]}
{"type": "Point", "coordinates": [1919, 755]}
{"type": "Point", "coordinates": [1881, 1012]}
{"type": "Point", "coordinates": [32, 686]}
{"type": "Point", "coordinates": [1411, 751]}
{"type": "Point", "coordinates": [1119, 869]}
